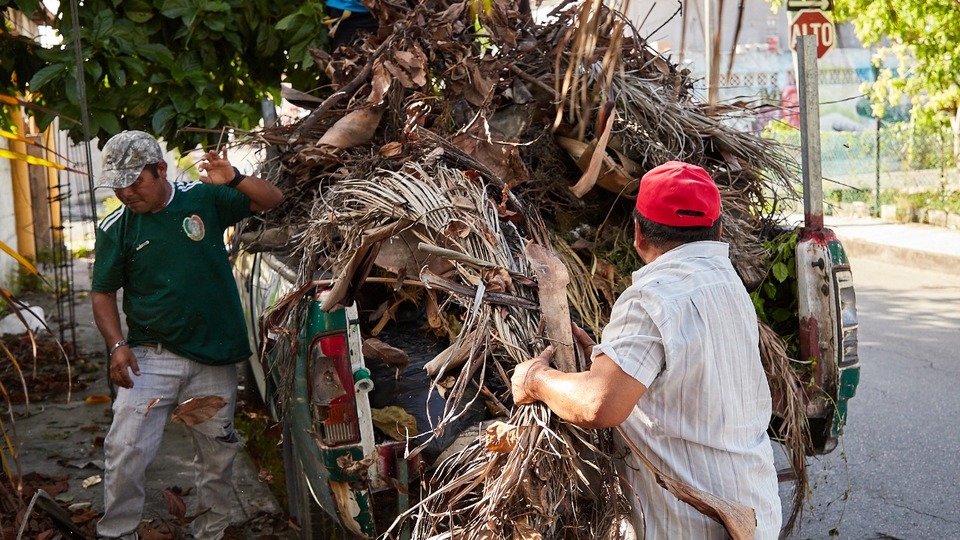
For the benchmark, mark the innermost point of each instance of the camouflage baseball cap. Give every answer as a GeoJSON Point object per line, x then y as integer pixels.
{"type": "Point", "coordinates": [124, 157]}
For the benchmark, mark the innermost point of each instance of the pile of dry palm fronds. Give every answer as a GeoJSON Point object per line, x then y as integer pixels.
{"type": "Point", "coordinates": [453, 140]}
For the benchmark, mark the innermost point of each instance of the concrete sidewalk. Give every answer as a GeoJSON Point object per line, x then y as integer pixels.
{"type": "Point", "coordinates": [913, 245]}
{"type": "Point", "coordinates": [63, 440]}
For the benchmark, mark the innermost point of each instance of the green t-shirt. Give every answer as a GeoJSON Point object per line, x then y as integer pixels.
{"type": "Point", "coordinates": [178, 289]}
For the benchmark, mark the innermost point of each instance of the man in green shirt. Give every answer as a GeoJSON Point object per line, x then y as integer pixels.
{"type": "Point", "coordinates": [164, 247]}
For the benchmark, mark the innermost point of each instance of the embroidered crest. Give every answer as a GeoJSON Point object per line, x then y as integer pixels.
{"type": "Point", "coordinates": [193, 226]}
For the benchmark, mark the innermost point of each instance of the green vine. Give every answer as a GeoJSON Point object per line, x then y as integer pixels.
{"type": "Point", "coordinates": [775, 299]}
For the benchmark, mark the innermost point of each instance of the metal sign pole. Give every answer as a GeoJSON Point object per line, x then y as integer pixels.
{"type": "Point", "coordinates": [808, 86]}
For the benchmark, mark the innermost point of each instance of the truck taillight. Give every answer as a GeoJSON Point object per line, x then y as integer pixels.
{"type": "Point", "coordinates": [332, 392]}
{"type": "Point", "coordinates": [847, 299]}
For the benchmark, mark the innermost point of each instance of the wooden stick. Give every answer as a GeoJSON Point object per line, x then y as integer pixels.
{"type": "Point", "coordinates": [739, 520]}
{"type": "Point", "coordinates": [433, 281]}
{"type": "Point", "coordinates": [552, 278]}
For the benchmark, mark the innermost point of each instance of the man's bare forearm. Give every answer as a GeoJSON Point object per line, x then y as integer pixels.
{"type": "Point", "coordinates": [262, 194]}
{"type": "Point", "coordinates": [600, 398]}
{"type": "Point", "coordinates": [107, 317]}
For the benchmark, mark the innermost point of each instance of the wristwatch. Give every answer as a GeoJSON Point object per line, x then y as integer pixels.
{"type": "Point", "coordinates": [237, 178]}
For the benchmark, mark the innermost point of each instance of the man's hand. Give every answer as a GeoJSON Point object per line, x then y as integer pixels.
{"type": "Point", "coordinates": [122, 363]}
{"type": "Point", "coordinates": [524, 374]}
{"type": "Point", "coordinates": [583, 340]}
{"type": "Point", "coordinates": [219, 170]}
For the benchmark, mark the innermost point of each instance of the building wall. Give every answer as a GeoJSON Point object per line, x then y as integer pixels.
{"type": "Point", "coordinates": [762, 29]}
{"type": "Point", "coordinates": [8, 227]}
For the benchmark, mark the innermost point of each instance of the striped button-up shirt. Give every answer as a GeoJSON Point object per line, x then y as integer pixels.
{"type": "Point", "coordinates": [687, 330]}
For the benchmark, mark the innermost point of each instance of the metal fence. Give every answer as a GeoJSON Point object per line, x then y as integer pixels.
{"type": "Point", "coordinates": [908, 160]}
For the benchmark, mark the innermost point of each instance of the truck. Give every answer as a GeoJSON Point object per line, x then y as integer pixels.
{"type": "Point", "coordinates": [342, 473]}
{"type": "Point", "coordinates": [316, 369]}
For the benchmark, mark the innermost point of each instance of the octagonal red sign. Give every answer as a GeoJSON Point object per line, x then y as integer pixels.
{"type": "Point", "coordinates": [813, 22]}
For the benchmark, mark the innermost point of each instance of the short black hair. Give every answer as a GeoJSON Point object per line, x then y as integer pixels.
{"type": "Point", "coordinates": [660, 235]}
{"type": "Point", "coordinates": [153, 169]}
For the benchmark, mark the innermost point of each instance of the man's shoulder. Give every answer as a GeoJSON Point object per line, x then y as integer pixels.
{"type": "Point", "coordinates": [194, 188]}
{"type": "Point", "coordinates": [111, 220]}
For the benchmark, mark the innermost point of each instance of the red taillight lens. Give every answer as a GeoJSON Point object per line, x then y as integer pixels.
{"type": "Point", "coordinates": [332, 395]}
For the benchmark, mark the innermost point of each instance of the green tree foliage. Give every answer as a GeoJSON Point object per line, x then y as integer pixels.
{"type": "Point", "coordinates": [162, 65]}
{"type": "Point", "coordinates": [923, 36]}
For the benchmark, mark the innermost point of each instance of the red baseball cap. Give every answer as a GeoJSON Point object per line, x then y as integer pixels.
{"type": "Point", "coordinates": [679, 194]}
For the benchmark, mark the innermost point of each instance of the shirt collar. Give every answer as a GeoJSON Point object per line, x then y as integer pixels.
{"type": "Point", "coordinates": [707, 248]}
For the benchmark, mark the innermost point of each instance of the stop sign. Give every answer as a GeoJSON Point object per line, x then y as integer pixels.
{"type": "Point", "coordinates": [815, 23]}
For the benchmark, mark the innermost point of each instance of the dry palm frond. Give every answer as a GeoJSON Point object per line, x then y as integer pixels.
{"type": "Point", "coordinates": [466, 164]}
{"type": "Point", "coordinates": [442, 206]}
{"type": "Point", "coordinates": [535, 487]}
{"type": "Point", "coordinates": [793, 432]}
{"type": "Point", "coordinates": [439, 206]}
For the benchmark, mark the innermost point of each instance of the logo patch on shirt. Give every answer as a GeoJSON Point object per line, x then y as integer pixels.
{"type": "Point", "coordinates": [193, 226]}
{"type": "Point", "coordinates": [143, 245]}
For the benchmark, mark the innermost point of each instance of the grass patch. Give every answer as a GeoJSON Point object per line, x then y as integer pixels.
{"type": "Point", "coordinates": [263, 437]}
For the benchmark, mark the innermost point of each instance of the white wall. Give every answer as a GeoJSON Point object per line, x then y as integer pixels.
{"type": "Point", "coordinates": [8, 228]}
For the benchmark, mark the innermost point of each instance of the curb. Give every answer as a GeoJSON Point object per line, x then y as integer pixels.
{"type": "Point", "coordinates": [901, 256]}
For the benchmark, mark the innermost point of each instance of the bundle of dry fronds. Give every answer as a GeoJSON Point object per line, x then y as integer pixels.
{"type": "Point", "coordinates": [793, 430]}
{"type": "Point", "coordinates": [530, 477]}
{"type": "Point", "coordinates": [453, 139]}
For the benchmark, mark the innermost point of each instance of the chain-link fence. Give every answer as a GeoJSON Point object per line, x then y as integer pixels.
{"type": "Point", "coordinates": [910, 163]}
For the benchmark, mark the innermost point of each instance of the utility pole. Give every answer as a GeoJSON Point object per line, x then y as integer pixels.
{"type": "Point", "coordinates": [876, 75]}
{"type": "Point", "coordinates": [709, 52]}
{"type": "Point", "coordinates": [809, 87]}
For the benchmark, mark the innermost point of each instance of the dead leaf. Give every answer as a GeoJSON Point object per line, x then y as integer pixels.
{"type": "Point", "coordinates": [503, 159]}
{"type": "Point", "coordinates": [391, 149]}
{"type": "Point", "coordinates": [522, 531]}
{"type": "Point", "coordinates": [375, 349]}
{"type": "Point", "coordinates": [413, 65]}
{"type": "Point", "coordinates": [354, 129]}
{"type": "Point", "coordinates": [163, 531]}
{"type": "Point", "coordinates": [84, 517]}
{"type": "Point", "coordinates": [740, 520]}
{"type": "Point", "coordinates": [501, 437]}
{"type": "Point", "coordinates": [480, 89]}
{"type": "Point", "coordinates": [97, 399]}
{"type": "Point", "coordinates": [380, 82]}
{"type": "Point", "coordinates": [497, 280]}
{"type": "Point", "coordinates": [197, 410]}
{"type": "Point", "coordinates": [394, 422]}
{"type": "Point", "coordinates": [604, 280]}
{"type": "Point", "coordinates": [175, 504]}
{"type": "Point", "coordinates": [91, 481]}
{"type": "Point", "coordinates": [399, 74]}
{"type": "Point", "coordinates": [150, 406]}
{"type": "Point", "coordinates": [457, 229]}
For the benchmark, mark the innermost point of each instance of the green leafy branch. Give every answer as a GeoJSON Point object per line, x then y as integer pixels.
{"type": "Point", "coordinates": [775, 299]}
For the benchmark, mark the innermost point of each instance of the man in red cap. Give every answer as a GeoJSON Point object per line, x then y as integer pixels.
{"type": "Point", "coordinates": [678, 367]}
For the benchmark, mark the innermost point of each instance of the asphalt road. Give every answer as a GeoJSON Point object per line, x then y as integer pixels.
{"type": "Point", "coordinates": [895, 474]}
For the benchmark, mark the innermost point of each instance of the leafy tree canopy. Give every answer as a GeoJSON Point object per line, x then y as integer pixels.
{"type": "Point", "coordinates": [923, 36]}
{"type": "Point", "coordinates": [162, 65]}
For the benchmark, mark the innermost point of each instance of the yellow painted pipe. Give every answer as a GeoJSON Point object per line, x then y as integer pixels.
{"type": "Point", "coordinates": [53, 182]}
{"type": "Point", "coordinates": [22, 209]}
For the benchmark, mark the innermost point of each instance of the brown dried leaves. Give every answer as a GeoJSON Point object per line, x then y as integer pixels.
{"type": "Point", "coordinates": [197, 410]}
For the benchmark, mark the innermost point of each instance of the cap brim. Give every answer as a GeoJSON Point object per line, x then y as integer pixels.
{"type": "Point", "coordinates": [118, 179]}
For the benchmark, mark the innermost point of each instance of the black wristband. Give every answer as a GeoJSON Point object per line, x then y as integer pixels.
{"type": "Point", "coordinates": [237, 178]}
